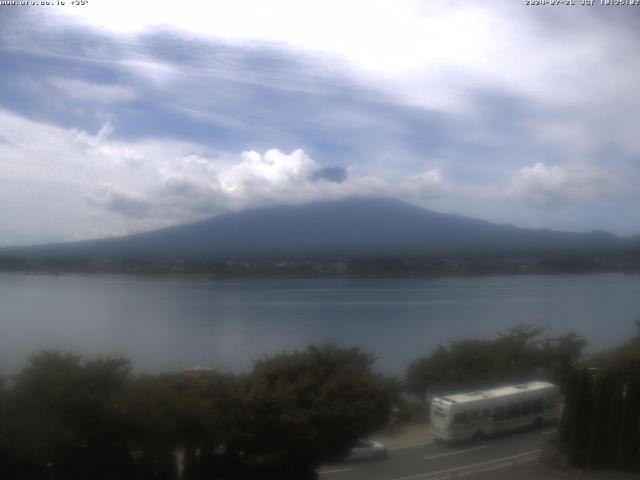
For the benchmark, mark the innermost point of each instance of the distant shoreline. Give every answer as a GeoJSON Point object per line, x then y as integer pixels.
{"type": "Point", "coordinates": [375, 267]}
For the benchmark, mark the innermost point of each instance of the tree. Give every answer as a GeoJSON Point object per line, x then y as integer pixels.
{"type": "Point", "coordinates": [67, 418]}
{"type": "Point", "coordinates": [148, 406]}
{"type": "Point", "coordinates": [624, 359]}
{"type": "Point", "coordinates": [63, 424]}
{"type": "Point", "coordinates": [560, 356]}
{"type": "Point", "coordinates": [302, 409]}
{"type": "Point", "coordinates": [517, 355]}
{"type": "Point", "coordinates": [6, 459]}
{"type": "Point", "coordinates": [464, 364]}
{"type": "Point", "coordinates": [602, 408]}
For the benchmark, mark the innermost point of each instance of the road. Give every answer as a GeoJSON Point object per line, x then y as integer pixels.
{"type": "Point", "coordinates": [506, 457]}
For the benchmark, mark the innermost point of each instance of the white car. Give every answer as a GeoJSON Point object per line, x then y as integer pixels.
{"type": "Point", "coordinates": [367, 450]}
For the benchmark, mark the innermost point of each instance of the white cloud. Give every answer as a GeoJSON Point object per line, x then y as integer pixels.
{"type": "Point", "coordinates": [426, 53]}
{"type": "Point", "coordinates": [518, 83]}
{"type": "Point", "coordinates": [259, 174]}
{"type": "Point", "coordinates": [252, 179]}
{"type": "Point", "coordinates": [120, 201]}
{"type": "Point", "coordinates": [427, 182]}
{"type": "Point", "coordinates": [70, 183]}
{"type": "Point", "coordinates": [554, 186]}
{"type": "Point", "coordinates": [96, 92]}
{"type": "Point", "coordinates": [399, 46]}
{"type": "Point", "coordinates": [158, 73]}
{"type": "Point", "coordinates": [436, 55]}
{"type": "Point", "coordinates": [115, 186]}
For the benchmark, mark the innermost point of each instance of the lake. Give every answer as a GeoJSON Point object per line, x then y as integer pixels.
{"type": "Point", "coordinates": [171, 323]}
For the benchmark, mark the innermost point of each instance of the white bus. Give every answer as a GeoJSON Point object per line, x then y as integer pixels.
{"type": "Point", "coordinates": [473, 415]}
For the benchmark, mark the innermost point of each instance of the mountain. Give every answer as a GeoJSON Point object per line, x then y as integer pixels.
{"type": "Point", "coordinates": [341, 228]}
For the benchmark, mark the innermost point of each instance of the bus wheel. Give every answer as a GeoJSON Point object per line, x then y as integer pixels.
{"type": "Point", "coordinates": [478, 436]}
{"type": "Point", "coordinates": [537, 422]}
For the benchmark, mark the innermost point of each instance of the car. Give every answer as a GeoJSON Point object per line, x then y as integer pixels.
{"type": "Point", "coordinates": [367, 450]}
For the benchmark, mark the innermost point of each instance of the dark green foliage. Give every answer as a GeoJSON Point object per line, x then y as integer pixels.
{"type": "Point", "coordinates": [600, 407]}
{"type": "Point", "coordinates": [574, 431]}
{"type": "Point", "coordinates": [5, 457]}
{"type": "Point", "coordinates": [515, 356]}
{"type": "Point", "coordinates": [624, 360]}
{"type": "Point", "coordinates": [613, 421]}
{"type": "Point", "coordinates": [66, 419]}
{"type": "Point", "coordinates": [608, 434]}
{"type": "Point", "coordinates": [306, 408]}
{"type": "Point", "coordinates": [601, 420]}
{"type": "Point", "coordinates": [558, 356]}
{"type": "Point", "coordinates": [628, 429]}
{"type": "Point", "coordinates": [62, 424]}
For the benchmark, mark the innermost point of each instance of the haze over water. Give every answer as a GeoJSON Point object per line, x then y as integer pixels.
{"type": "Point", "coordinates": [173, 323]}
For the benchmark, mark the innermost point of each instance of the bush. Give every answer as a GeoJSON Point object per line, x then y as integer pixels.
{"type": "Point", "coordinates": [303, 409]}
{"type": "Point", "coordinates": [515, 356]}
{"type": "Point", "coordinates": [65, 418]}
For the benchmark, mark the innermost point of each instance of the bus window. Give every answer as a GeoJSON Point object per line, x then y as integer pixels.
{"type": "Point", "coordinates": [473, 416]}
{"type": "Point", "coordinates": [537, 405]}
{"type": "Point", "coordinates": [526, 407]}
{"type": "Point", "coordinates": [498, 414]}
{"type": "Point", "coordinates": [460, 418]}
{"type": "Point", "coordinates": [486, 412]}
{"type": "Point", "coordinates": [513, 410]}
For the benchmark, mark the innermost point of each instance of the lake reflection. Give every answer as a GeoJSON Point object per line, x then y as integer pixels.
{"type": "Point", "coordinates": [169, 323]}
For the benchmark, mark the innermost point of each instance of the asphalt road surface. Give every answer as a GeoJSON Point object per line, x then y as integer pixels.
{"type": "Point", "coordinates": [512, 456]}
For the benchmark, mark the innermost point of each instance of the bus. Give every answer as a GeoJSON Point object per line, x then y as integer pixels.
{"type": "Point", "coordinates": [474, 415]}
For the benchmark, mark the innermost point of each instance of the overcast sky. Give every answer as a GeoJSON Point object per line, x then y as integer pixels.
{"type": "Point", "coordinates": [120, 116]}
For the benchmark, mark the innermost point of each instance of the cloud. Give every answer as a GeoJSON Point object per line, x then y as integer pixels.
{"type": "Point", "coordinates": [466, 50]}
{"type": "Point", "coordinates": [552, 187]}
{"type": "Point", "coordinates": [64, 178]}
{"type": "Point", "coordinates": [193, 186]}
{"type": "Point", "coordinates": [77, 89]}
{"type": "Point", "coordinates": [120, 201]}
{"type": "Point", "coordinates": [330, 174]}
{"type": "Point", "coordinates": [252, 179]}
{"type": "Point", "coordinates": [272, 170]}
{"type": "Point", "coordinates": [182, 113]}
{"type": "Point", "coordinates": [428, 54]}
{"type": "Point", "coordinates": [425, 185]}
{"type": "Point", "coordinates": [133, 185]}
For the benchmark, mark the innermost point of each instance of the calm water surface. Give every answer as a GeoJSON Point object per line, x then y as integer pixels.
{"type": "Point", "coordinates": [168, 323]}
